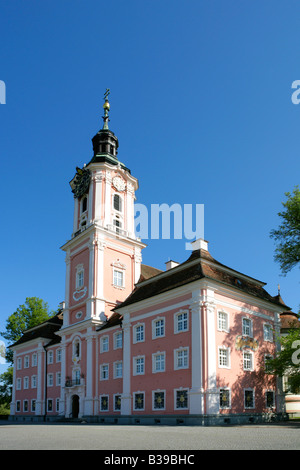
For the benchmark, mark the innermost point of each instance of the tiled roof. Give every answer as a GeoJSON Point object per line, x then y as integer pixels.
{"type": "Point", "coordinates": [45, 330]}
{"type": "Point", "coordinates": [199, 265]}
{"type": "Point", "coordinates": [289, 320]}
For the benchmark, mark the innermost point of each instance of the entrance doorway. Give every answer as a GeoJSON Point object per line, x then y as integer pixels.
{"type": "Point", "coordinates": [75, 406]}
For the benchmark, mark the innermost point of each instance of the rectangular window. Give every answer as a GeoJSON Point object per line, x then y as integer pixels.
{"type": "Point", "coordinates": [249, 398]}
{"type": "Point", "coordinates": [268, 332]}
{"type": "Point", "coordinates": [139, 365]}
{"type": "Point", "coordinates": [34, 360]}
{"type": "Point", "coordinates": [158, 362]}
{"type": "Point", "coordinates": [118, 278]}
{"type": "Point", "coordinates": [247, 327]}
{"type": "Point", "coordinates": [57, 404]}
{"type": "Point", "coordinates": [117, 403]}
{"type": "Point", "coordinates": [118, 340]}
{"type": "Point", "coordinates": [26, 382]}
{"type": "Point", "coordinates": [139, 332]}
{"type": "Point", "coordinates": [181, 322]}
{"type": "Point", "coordinates": [104, 403]}
{"type": "Point", "coordinates": [224, 398]}
{"type": "Point", "coordinates": [139, 401]}
{"type": "Point", "coordinates": [158, 328]}
{"type": "Point", "coordinates": [159, 400]}
{"type": "Point", "coordinates": [104, 372]}
{"type": "Point", "coordinates": [181, 358]}
{"type": "Point", "coordinates": [19, 384]}
{"type": "Point", "coordinates": [223, 321]}
{"type": "Point", "coordinates": [19, 363]}
{"type": "Point", "coordinates": [50, 380]}
{"type": "Point", "coordinates": [18, 405]}
{"type": "Point", "coordinates": [58, 355]}
{"type": "Point", "coordinates": [181, 399]}
{"type": "Point", "coordinates": [25, 405]}
{"type": "Point", "coordinates": [224, 357]}
{"type": "Point", "coordinates": [270, 399]}
{"type": "Point", "coordinates": [33, 403]}
{"type": "Point", "coordinates": [33, 381]}
{"type": "Point", "coordinates": [58, 378]}
{"type": "Point", "coordinates": [248, 360]}
{"type": "Point", "coordinates": [104, 344]}
{"type": "Point", "coordinates": [118, 370]}
{"type": "Point", "coordinates": [26, 362]}
{"type": "Point", "coordinates": [50, 404]}
{"type": "Point", "coordinates": [50, 357]}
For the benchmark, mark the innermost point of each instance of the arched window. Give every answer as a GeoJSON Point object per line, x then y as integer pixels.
{"type": "Point", "coordinates": [117, 203]}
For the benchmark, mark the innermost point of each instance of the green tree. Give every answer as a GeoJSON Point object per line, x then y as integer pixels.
{"type": "Point", "coordinates": [287, 361]}
{"type": "Point", "coordinates": [287, 235]}
{"type": "Point", "coordinates": [6, 380]}
{"type": "Point", "coordinates": [33, 312]}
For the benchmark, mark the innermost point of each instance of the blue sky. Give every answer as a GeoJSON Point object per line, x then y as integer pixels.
{"type": "Point", "coordinates": [201, 104]}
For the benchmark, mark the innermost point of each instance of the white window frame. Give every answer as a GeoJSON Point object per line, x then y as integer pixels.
{"type": "Point", "coordinates": [178, 321]}
{"type": "Point", "coordinates": [58, 378]}
{"type": "Point", "coordinates": [221, 321]}
{"type": "Point", "coordinates": [248, 362]}
{"type": "Point", "coordinates": [228, 407]}
{"type": "Point", "coordinates": [161, 363]}
{"type": "Point", "coordinates": [156, 329]}
{"type": "Point", "coordinates": [118, 366]}
{"type": "Point", "coordinates": [139, 336]}
{"type": "Point", "coordinates": [153, 400]}
{"type": "Point", "coordinates": [104, 371]}
{"type": "Point", "coordinates": [19, 383]}
{"type": "Point", "coordinates": [25, 382]}
{"type": "Point", "coordinates": [50, 357]}
{"type": "Point", "coordinates": [79, 276]}
{"type": "Point", "coordinates": [273, 401]}
{"type": "Point", "coordinates": [50, 379]}
{"type": "Point", "coordinates": [268, 332]}
{"type": "Point", "coordinates": [104, 344]}
{"type": "Point", "coordinates": [250, 326]}
{"type": "Point", "coordinates": [25, 402]}
{"type": "Point", "coordinates": [116, 280]}
{"type": "Point", "coordinates": [138, 393]}
{"type": "Point", "coordinates": [26, 361]}
{"type": "Point", "coordinates": [104, 395]}
{"type": "Point", "coordinates": [34, 360]}
{"type": "Point", "coordinates": [114, 404]}
{"type": "Point", "coordinates": [139, 363]}
{"type": "Point", "coordinates": [221, 350]}
{"type": "Point", "coordinates": [34, 381]}
{"type": "Point", "coordinates": [19, 363]}
{"type": "Point", "coordinates": [253, 394]}
{"type": "Point", "coordinates": [58, 355]}
{"type": "Point", "coordinates": [184, 358]}
{"type": "Point", "coordinates": [33, 405]}
{"type": "Point", "coordinates": [178, 390]}
{"type": "Point", "coordinates": [118, 343]}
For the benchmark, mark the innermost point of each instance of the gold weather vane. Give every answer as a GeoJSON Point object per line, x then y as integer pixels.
{"type": "Point", "coordinates": [106, 107]}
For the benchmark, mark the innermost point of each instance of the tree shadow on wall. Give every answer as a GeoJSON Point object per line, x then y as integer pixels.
{"type": "Point", "coordinates": [256, 378]}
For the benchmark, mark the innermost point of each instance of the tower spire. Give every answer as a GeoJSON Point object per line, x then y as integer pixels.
{"type": "Point", "coordinates": [106, 108]}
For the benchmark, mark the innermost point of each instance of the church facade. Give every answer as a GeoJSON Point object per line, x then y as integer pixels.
{"type": "Point", "coordinates": [134, 344]}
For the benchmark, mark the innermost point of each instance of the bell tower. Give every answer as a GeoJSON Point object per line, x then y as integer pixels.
{"type": "Point", "coordinates": [103, 256]}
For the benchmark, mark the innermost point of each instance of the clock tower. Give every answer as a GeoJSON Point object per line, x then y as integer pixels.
{"type": "Point", "coordinates": [103, 256]}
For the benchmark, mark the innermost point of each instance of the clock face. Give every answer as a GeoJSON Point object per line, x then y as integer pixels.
{"type": "Point", "coordinates": [119, 183]}
{"type": "Point", "coordinates": [82, 182]}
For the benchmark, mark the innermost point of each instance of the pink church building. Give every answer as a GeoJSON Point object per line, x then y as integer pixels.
{"type": "Point", "coordinates": [134, 344]}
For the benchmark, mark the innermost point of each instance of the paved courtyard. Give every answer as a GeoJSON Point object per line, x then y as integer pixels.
{"type": "Point", "coordinates": [46, 436]}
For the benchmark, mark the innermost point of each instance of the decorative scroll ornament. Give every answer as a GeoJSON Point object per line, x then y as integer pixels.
{"type": "Point", "coordinates": [81, 182]}
{"type": "Point", "coordinates": [242, 342]}
{"type": "Point", "coordinates": [79, 294]}
{"type": "Point", "coordinates": [119, 183]}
